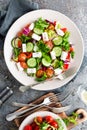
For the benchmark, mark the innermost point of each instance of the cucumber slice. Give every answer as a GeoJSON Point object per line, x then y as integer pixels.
{"type": "Point", "coordinates": [29, 47]}
{"type": "Point", "coordinates": [57, 51]}
{"type": "Point", "coordinates": [31, 62]}
{"type": "Point", "coordinates": [38, 31]}
{"type": "Point", "coordinates": [45, 62]}
{"type": "Point", "coordinates": [15, 41]}
{"type": "Point", "coordinates": [58, 40]}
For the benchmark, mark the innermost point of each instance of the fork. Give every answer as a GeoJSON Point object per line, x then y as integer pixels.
{"type": "Point", "coordinates": [48, 100]}
{"type": "Point", "coordinates": [58, 97]}
{"type": "Point", "coordinates": [14, 115]}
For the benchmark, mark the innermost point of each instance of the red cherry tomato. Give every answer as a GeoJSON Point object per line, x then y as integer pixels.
{"type": "Point", "coordinates": [37, 128]}
{"type": "Point", "coordinates": [39, 119]}
{"type": "Point", "coordinates": [19, 43]}
{"type": "Point", "coordinates": [22, 57]}
{"type": "Point", "coordinates": [28, 54]}
{"type": "Point", "coordinates": [49, 119]}
{"type": "Point", "coordinates": [33, 125]}
{"type": "Point", "coordinates": [64, 29]}
{"type": "Point", "coordinates": [54, 23]}
{"type": "Point", "coordinates": [66, 66]}
{"type": "Point", "coordinates": [54, 124]}
{"type": "Point", "coordinates": [68, 57]}
{"type": "Point", "coordinates": [71, 49]}
{"type": "Point", "coordinates": [28, 127]}
{"type": "Point", "coordinates": [23, 65]}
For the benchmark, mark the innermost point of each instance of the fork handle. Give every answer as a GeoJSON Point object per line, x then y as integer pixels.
{"type": "Point", "coordinates": [13, 115]}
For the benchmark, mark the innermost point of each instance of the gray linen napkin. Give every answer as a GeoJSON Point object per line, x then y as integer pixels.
{"type": "Point", "coordinates": [14, 10]}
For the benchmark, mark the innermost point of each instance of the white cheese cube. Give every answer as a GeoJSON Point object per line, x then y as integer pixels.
{"type": "Point", "coordinates": [36, 37]}
{"type": "Point", "coordinates": [24, 47]}
{"type": "Point", "coordinates": [31, 26]}
{"type": "Point", "coordinates": [64, 55]}
{"type": "Point", "coordinates": [60, 32]}
{"type": "Point", "coordinates": [53, 55]}
{"type": "Point", "coordinates": [45, 36]}
{"type": "Point", "coordinates": [58, 71]}
{"type": "Point", "coordinates": [37, 54]}
{"type": "Point", "coordinates": [19, 66]}
{"type": "Point", "coordinates": [31, 70]}
{"type": "Point", "coordinates": [60, 76]}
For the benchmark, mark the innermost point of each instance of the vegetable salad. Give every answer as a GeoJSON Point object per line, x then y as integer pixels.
{"type": "Point", "coordinates": [46, 123]}
{"type": "Point", "coordinates": [42, 49]}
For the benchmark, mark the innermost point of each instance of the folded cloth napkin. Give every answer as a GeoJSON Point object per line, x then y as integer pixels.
{"type": "Point", "coordinates": [15, 9]}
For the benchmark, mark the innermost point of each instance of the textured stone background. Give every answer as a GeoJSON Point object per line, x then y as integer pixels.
{"type": "Point", "coordinates": [76, 10]}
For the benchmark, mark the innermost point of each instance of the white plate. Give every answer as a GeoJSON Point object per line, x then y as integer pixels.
{"type": "Point", "coordinates": [29, 119]}
{"type": "Point", "coordinates": [51, 15]}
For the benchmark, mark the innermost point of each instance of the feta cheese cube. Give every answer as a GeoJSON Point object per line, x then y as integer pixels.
{"type": "Point", "coordinates": [60, 32]}
{"type": "Point", "coordinates": [19, 66]}
{"type": "Point", "coordinates": [64, 55]}
{"type": "Point", "coordinates": [60, 76]}
{"type": "Point", "coordinates": [31, 70]}
{"type": "Point", "coordinates": [24, 47]}
{"type": "Point", "coordinates": [37, 54]}
{"type": "Point", "coordinates": [58, 71]}
{"type": "Point", "coordinates": [53, 56]}
{"type": "Point", "coordinates": [31, 26]}
{"type": "Point", "coordinates": [45, 36]}
{"type": "Point", "coordinates": [36, 37]}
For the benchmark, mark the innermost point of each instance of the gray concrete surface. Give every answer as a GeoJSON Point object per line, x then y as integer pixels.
{"type": "Point", "coordinates": [76, 10]}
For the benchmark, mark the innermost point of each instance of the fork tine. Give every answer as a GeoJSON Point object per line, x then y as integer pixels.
{"type": "Point", "coordinates": [60, 96]}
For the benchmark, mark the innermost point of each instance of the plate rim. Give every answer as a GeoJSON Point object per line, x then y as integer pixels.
{"type": "Point", "coordinates": [82, 42]}
{"type": "Point", "coordinates": [41, 113]}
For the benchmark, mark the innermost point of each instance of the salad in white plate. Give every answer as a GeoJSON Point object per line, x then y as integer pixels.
{"type": "Point", "coordinates": [42, 49]}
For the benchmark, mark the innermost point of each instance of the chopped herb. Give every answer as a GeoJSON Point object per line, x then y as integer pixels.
{"type": "Point", "coordinates": [72, 54]}
{"type": "Point", "coordinates": [41, 24]}
{"type": "Point", "coordinates": [25, 38]}
{"type": "Point", "coordinates": [71, 119]}
{"type": "Point", "coordinates": [43, 47]}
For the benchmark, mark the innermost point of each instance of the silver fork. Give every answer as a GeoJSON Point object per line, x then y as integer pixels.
{"type": "Point", "coordinates": [58, 97]}
{"type": "Point", "coordinates": [14, 115]}
{"type": "Point", "coordinates": [48, 100]}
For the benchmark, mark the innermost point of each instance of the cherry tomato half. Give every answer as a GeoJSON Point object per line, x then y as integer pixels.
{"type": "Point", "coordinates": [28, 54]}
{"type": "Point", "coordinates": [66, 66]}
{"type": "Point", "coordinates": [39, 119]}
{"type": "Point", "coordinates": [37, 128]}
{"type": "Point", "coordinates": [49, 44]}
{"type": "Point", "coordinates": [19, 43]}
{"type": "Point", "coordinates": [23, 65]}
{"type": "Point", "coordinates": [68, 57]}
{"type": "Point", "coordinates": [49, 72]}
{"type": "Point", "coordinates": [54, 124]}
{"type": "Point", "coordinates": [49, 119]}
{"type": "Point", "coordinates": [22, 57]}
{"type": "Point", "coordinates": [64, 29]}
{"type": "Point", "coordinates": [28, 127]}
{"type": "Point", "coordinates": [39, 73]}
